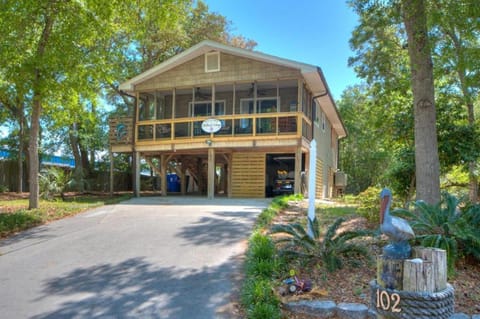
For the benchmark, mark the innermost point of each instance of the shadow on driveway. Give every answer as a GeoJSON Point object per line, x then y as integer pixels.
{"type": "Point", "coordinates": [227, 229]}
{"type": "Point", "coordinates": [136, 289]}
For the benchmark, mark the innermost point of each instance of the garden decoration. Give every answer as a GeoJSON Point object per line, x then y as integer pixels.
{"type": "Point", "coordinates": [410, 283]}
{"type": "Point", "coordinates": [397, 229]}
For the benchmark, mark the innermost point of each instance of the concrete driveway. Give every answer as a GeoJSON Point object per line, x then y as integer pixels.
{"type": "Point", "coordinates": [157, 257]}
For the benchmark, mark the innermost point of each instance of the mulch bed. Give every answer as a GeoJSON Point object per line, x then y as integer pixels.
{"type": "Point", "coordinates": [351, 283]}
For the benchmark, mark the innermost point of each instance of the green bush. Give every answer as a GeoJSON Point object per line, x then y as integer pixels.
{"type": "Point", "coordinates": [369, 204]}
{"type": "Point", "coordinates": [52, 181]}
{"type": "Point", "coordinates": [3, 189]}
{"type": "Point", "coordinates": [332, 249]}
{"type": "Point", "coordinates": [450, 225]}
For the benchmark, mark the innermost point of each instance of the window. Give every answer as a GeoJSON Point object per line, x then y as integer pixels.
{"type": "Point", "coordinates": [146, 107]}
{"type": "Point", "coordinates": [204, 108]}
{"type": "Point", "coordinates": [264, 105]}
{"type": "Point", "coordinates": [212, 62]}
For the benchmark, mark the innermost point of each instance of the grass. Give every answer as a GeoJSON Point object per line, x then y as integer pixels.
{"type": "Point", "coordinates": [15, 217]}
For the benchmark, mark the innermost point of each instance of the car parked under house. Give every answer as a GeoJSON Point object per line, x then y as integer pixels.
{"type": "Point", "coordinates": [259, 114]}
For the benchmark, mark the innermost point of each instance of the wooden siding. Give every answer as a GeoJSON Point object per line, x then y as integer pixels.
{"type": "Point", "coordinates": [248, 175]}
{"type": "Point", "coordinates": [121, 131]}
{"type": "Point", "coordinates": [319, 179]}
{"type": "Point", "coordinates": [232, 69]}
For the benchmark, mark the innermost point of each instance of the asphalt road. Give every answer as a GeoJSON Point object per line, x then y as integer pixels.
{"type": "Point", "coordinates": [170, 257]}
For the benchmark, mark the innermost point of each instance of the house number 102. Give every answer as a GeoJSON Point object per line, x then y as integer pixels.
{"type": "Point", "coordinates": [388, 302]}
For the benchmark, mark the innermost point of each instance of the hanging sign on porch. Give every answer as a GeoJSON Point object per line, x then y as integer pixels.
{"type": "Point", "coordinates": [211, 125]}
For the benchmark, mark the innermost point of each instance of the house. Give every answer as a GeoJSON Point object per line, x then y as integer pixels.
{"type": "Point", "coordinates": [231, 121]}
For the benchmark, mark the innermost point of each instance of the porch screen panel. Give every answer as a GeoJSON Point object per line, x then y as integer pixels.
{"type": "Point", "coordinates": [248, 174]}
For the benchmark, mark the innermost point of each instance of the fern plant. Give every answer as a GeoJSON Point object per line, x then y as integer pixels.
{"type": "Point", "coordinates": [448, 225]}
{"type": "Point", "coordinates": [332, 249]}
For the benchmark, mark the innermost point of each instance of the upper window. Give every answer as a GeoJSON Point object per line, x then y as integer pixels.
{"type": "Point", "coordinates": [212, 62]}
{"type": "Point", "coordinates": [204, 108]}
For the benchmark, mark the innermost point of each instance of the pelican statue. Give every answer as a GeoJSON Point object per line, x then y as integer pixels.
{"type": "Point", "coordinates": [397, 229]}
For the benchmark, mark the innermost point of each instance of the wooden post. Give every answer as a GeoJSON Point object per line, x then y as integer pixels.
{"type": "Point", "coordinates": [163, 171]}
{"type": "Point", "coordinates": [390, 273]}
{"type": "Point", "coordinates": [112, 167]}
{"type": "Point", "coordinates": [298, 170]}
{"type": "Point", "coordinates": [183, 180]}
{"type": "Point", "coordinates": [438, 259]}
{"type": "Point", "coordinates": [418, 276]}
{"type": "Point", "coordinates": [211, 173]}
{"type": "Point", "coordinates": [136, 178]}
{"type": "Point", "coordinates": [228, 169]}
{"type": "Point", "coordinates": [421, 279]}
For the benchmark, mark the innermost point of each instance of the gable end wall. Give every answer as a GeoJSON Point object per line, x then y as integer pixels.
{"type": "Point", "coordinates": [232, 69]}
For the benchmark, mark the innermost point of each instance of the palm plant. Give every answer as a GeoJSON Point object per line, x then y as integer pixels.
{"type": "Point", "coordinates": [332, 249]}
{"type": "Point", "coordinates": [52, 182]}
{"type": "Point", "coordinates": [448, 225]}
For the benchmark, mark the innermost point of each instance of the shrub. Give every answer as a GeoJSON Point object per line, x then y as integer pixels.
{"type": "Point", "coordinates": [52, 181]}
{"type": "Point", "coordinates": [449, 225]}
{"type": "Point", "coordinates": [3, 189]}
{"type": "Point", "coordinates": [369, 204]}
{"type": "Point", "coordinates": [331, 250]}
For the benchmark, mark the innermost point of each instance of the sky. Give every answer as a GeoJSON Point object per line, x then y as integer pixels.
{"type": "Point", "coordinates": [309, 31]}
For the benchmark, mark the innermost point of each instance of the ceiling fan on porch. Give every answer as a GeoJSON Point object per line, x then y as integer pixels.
{"type": "Point", "coordinates": [202, 95]}
{"type": "Point", "coordinates": [259, 92]}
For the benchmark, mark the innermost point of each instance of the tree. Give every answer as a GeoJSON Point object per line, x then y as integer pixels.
{"type": "Point", "coordinates": [58, 58]}
{"type": "Point", "coordinates": [47, 46]}
{"type": "Point", "coordinates": [456, 31]}
{"type": "Point", "coordinates": [427, 164]}
{"type": "Point", "coordinates": [365, 158]}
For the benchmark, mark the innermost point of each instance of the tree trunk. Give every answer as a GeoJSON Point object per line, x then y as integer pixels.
{"type": "Point", "coordinates": [427, 165]}
{"type": "Point", "coordinates": [36, 111]}
{"type": "Point", "coordinates": [20, 148]}
{"type": "Point", "coordinates": [78, 158]}
{"type": "Point", "coordinates": [33, 151]}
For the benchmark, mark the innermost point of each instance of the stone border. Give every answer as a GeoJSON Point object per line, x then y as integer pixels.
{"type": "Point", "coordinates": [324, 309]}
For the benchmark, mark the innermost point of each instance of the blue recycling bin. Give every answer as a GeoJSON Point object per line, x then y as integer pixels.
{"type": "Point", "coordinates": [173, 183]}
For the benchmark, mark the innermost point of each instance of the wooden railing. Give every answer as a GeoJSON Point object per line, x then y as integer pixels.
{"type": "Point", "coordinates": [264, 124]}
{"type": "Point", "coordinates": [255, 126]}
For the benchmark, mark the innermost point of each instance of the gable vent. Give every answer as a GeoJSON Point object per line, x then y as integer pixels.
{"type": "Point", "coordinates": [212, 62]}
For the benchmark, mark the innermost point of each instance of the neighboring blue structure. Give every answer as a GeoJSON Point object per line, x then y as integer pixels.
{"type": "Point", "coordinates": [51, 160]}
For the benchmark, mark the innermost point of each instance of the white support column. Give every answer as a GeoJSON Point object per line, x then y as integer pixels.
{"type": "Point", "coordinates": [311, 184]}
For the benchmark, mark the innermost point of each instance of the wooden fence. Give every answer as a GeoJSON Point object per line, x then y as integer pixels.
{"type": "Point", "coordinates": [99, 182]}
